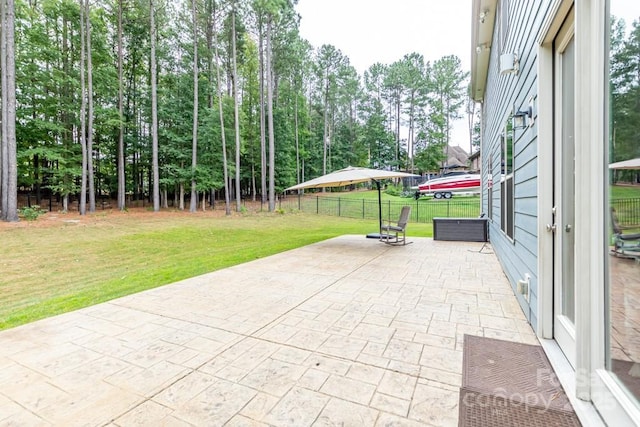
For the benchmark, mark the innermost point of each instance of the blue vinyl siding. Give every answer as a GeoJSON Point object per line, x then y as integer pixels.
{"type": "Point", "coordinates": [504, 93]}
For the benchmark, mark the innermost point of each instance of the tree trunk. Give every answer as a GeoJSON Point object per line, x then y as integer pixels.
{"type": "Point", "coordinates": [410, 137]}
{"type": "Point", "coordinates": [121, 176]}
{"type": "Point", "coordinates": [235, 107]}
{"type": "Point", "coordinates": [225, 167]}
{"type": "Point", "coordinates": [83, 114]}
{"type": "Point", "coordinates": [398, 109]}
{"type": "Point", "coordinates": [447, 124]}
{"type": "Point", "coordinates": [193, 203]}
{"type": "Point", "coordinates": [263, 138]}
{"type": "Point", "coordinates": [154, 112]}
{"type": "Point", "coordinates": [325, 135]}
{"type": "Point", "coordinates": [9, 176]}
{"type": "Point", "coordinates": [272, 200]}
{"type": "Point", "coordinates": [90, 177]}
{"type": "Point", "coordinates": [36, 178]}
{"type": "Point", "coordinates": [209, 38]}
{"type": "Point", "coordinates": [297, 138]}
{"type": "Point", "coordinates": [181, 197]}
{"type": "Point", "coordinates": [67, 175]}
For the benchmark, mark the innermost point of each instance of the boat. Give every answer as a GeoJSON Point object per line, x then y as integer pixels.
{"type": "Point", "coordinates": [445, 186]}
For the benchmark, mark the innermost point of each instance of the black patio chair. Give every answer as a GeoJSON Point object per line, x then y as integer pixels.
{"type": "Point", "coordinates": [624, 245]}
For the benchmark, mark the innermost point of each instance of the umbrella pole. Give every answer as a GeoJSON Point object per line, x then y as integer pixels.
{"type": "Point", "coordinates": [379, 205]}
{"type": "Point", "coordinates": [377, 235]}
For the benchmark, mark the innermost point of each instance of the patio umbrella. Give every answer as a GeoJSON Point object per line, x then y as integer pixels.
{"type": "Point", "coordinates": [626, 164]}
{"type": "Point", "coordinates": [354, 175]}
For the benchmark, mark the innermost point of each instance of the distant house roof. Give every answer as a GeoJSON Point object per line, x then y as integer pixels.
{"type": "Point", "coordinates": [459, 154]}
{"type": "Point", "coordinates": [482, 19]}
{"type": "Point", "coordinates": [457, 157]}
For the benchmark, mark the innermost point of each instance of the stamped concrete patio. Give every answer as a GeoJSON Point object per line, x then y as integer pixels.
{"type": "Point", "coordinates": [348, 331]}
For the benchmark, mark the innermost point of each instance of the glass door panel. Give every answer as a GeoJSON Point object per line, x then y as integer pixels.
{"type": "Point", "coordinates": [623, 208]}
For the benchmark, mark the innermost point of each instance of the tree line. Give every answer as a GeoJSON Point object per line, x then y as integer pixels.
{"type": "Point", "coordinates": [175, 101]}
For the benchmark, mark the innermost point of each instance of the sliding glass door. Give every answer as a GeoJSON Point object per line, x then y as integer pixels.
{"type": "Point", "coordinates": [623, 207]}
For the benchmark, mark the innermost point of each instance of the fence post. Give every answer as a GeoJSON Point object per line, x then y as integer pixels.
{"type": "Point", "coordinates": [362, 208]}
{"type": "Point", "coordinates": [339, 206]}
{"type": "Point", "coordinates": [317, 205]}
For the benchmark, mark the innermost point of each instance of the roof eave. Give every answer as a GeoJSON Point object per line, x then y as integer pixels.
{"type": "Point", "coordinates": [482, 24]}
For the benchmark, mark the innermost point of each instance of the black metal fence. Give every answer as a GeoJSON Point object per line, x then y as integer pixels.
{"type": "Point", "coordinates": [627, 211]}
{"type": "Point", "coordinates": [423, 210]}
{"type": "Point", "coordinates": [53, 203]}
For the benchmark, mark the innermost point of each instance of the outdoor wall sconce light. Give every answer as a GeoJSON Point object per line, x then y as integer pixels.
{"type": "Point", "coordinates": [522, 118]}
{"type": "Point", "coordinates": [483, 15]}
{"type": "Point", "coordinates": [482, 48]}
{"type": "Point", "coordinates": [509, 63]}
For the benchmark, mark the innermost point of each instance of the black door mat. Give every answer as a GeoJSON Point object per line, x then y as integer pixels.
{"type": "Point", "coordinates": [510, 384]}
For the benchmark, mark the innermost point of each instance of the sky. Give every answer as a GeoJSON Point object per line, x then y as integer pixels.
{"type": "Point", "coordinates": [370, 31]}
{"type": "Point", "coordinates": [629, 10]}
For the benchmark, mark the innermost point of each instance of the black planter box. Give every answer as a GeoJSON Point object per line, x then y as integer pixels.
{"type": "Point", "coordinates": [460, 229]}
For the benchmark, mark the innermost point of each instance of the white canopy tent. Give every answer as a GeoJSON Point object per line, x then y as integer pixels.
{"type": "Point", "coordinates": [353, 175]}
{"type": "Point", "coordinates": [626, 164]}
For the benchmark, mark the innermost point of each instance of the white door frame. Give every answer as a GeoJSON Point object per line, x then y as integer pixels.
{"type": "Point", "coordinates": [564, 197]}
{"type": "Point", "coordinates": [586, 200]}
{"type": "Point", "coordinates": [550, 29]}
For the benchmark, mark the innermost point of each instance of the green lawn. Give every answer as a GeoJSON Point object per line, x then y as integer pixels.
{"type": "Point", "coordinates": [57, 264]}
{"type": "Point", "coordinates": [625, 191]}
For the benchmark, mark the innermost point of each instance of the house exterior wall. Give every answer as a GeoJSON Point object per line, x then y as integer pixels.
{"type": "Point", "coordinates": [572, 292]}
{"type": "Point", "coordinates": [504, 94]}
{"type": "Point", "coordinates": [475, 161]}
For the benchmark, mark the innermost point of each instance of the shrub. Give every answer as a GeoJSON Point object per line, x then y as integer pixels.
{"type": "Point", "coordinates": [392, 190]}
{"type": "Point", "coordinates": [30, 213]}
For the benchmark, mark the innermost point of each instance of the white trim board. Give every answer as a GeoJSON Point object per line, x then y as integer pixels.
{"type": "Point", "coordinates": [585, 411]}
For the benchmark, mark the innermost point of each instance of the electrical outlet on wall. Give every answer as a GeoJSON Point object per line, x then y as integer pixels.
{"type": "Point", "coordinates": [524, 286]}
